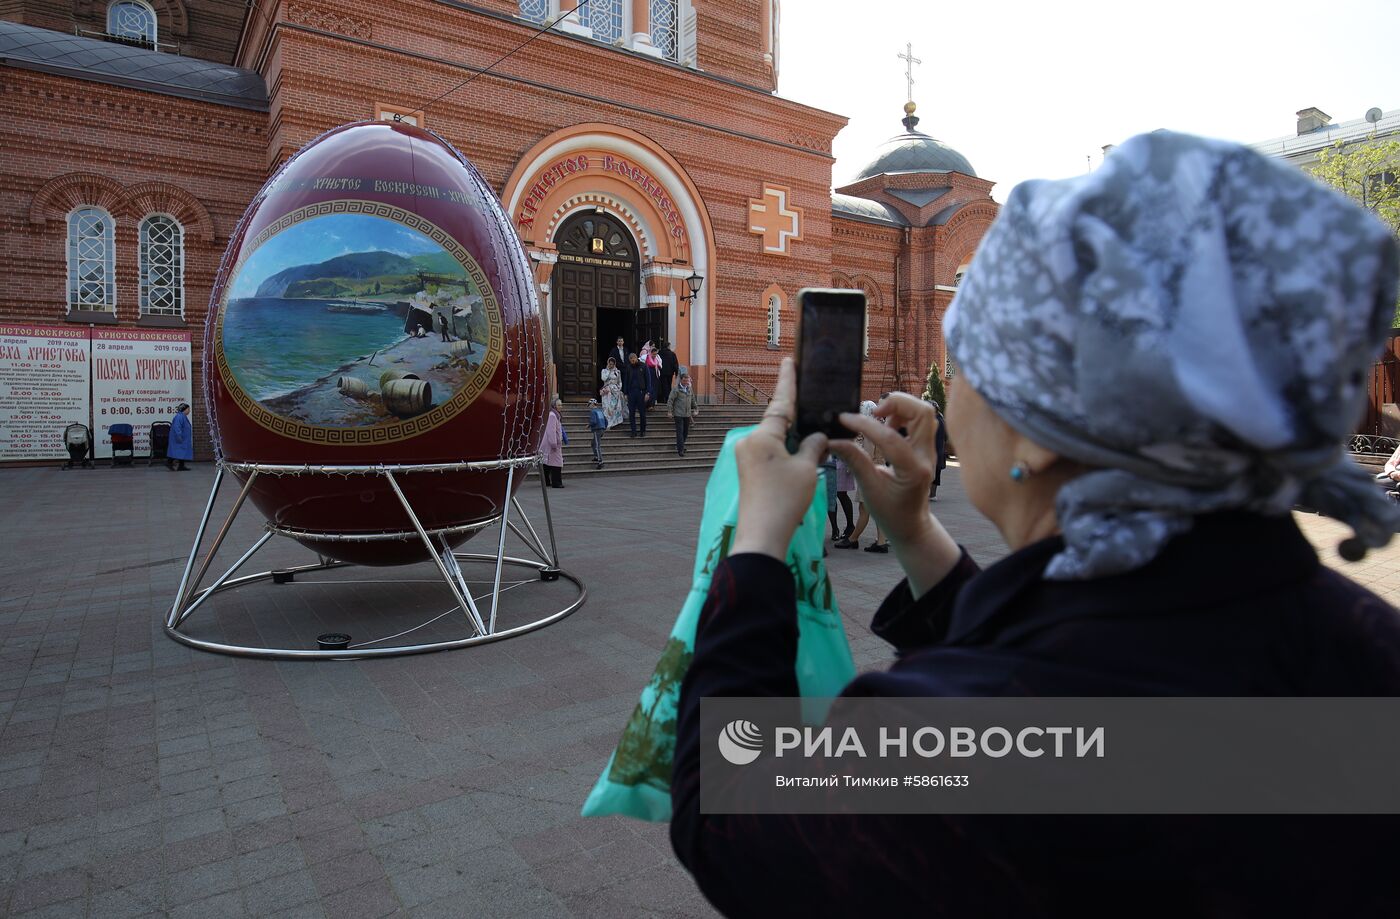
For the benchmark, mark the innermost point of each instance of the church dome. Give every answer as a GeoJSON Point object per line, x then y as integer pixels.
{"type": "Point", "coordinates": [915, 151]}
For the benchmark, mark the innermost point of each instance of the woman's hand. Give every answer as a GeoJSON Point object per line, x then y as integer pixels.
{"type": "Point", "coordinates": [897, 494]}
{"type": "Point", "coordinates": [775, 487]}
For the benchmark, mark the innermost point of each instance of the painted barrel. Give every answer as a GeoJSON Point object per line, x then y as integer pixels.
{"type": "Point", "coordinates": [353, 387]}
{"type": "Point", "coordinates": [407, 398]}
{"type": "Point", "coordinates": [388, 375]}
{"type": "Point", "coordinates": [367, 227]}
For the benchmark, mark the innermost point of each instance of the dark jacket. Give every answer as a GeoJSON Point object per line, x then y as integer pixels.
{"type": "Point", "coordinates": [940, 443]}
{"type": "Point", "coordinates": [638, 380]}
{"type": "Point", "coordinates": [669, 364]}
{"type": "Point", "coordinates": [1240, 606]}
{"type": "Point", "coordinates": [619, 355]}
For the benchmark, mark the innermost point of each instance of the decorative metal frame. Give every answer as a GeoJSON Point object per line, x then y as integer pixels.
{"type": "Point", "coordinates": [189, 597]}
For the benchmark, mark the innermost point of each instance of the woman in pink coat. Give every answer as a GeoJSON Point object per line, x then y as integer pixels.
{"type": "Point", "coordinates": [552, 446]}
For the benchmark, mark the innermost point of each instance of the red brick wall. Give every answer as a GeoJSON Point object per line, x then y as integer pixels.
{"type": "Point", "coordinates": [203, 162]}
{"type": "Point", "coordinates": [497, 119]}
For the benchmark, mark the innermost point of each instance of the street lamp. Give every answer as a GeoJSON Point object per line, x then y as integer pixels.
{"type": "Point", "coordinates": [694, 282]}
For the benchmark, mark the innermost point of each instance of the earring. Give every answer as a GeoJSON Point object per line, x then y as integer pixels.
{"type": "Point", "coordinates": [1020, 471]}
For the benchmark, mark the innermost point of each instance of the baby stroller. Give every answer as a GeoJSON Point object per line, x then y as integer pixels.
{"type": "Point", "coordinates": [160, 441]}
{"type": "Point", "coordinates": [123, 444]}
{"type": "Point", "coordinates": [77, 439]}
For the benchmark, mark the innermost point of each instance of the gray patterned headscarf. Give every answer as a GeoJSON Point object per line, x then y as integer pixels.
{"type": "Point", "coordinates": [1195, 322]}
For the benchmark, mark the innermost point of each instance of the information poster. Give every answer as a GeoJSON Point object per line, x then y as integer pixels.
{"type": "Point", "coordinates": [138, 376]}
{"type": "Point", "coordinates": [43, 388]}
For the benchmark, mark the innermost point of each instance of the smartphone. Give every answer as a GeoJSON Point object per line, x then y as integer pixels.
{"type": "Point", "coordinates": [830, 356]}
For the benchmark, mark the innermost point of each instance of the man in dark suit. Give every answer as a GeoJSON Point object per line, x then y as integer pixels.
{"type": "Point", "coordinates": [669, 366]}
{"type": "Point", "coordinates": [619, 354]}
{"type": "Point", "coordinates": [637, 383]}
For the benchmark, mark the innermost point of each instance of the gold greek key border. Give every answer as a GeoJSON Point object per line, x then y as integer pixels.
{"type": "Point", "coordinates": [387, 433]}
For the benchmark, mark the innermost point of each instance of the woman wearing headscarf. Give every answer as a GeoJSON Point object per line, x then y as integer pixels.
{"type": "Point", "coordinates": [180, 446]}
{"type": "Point", "coordinates": [552, 445]}
{"type": "Point", "coordinates": [614, 406]}
{"type": "Point", "coordinates": [1156, 362]}
{"type": "Point", "coordinates": [652, 359]}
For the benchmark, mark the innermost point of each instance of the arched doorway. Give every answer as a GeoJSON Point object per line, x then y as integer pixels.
{"type": "Point", "coordinates": [597, 295]}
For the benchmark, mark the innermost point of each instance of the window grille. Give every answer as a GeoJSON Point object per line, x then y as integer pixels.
{"type": "Point", "coordinates": [129, 19]}
{"type": "Point", "coordinates": [665, 26]}
{"type": "Point", "coordinates": [91, 261]}
{"type": "Point", "coordinates": [606, 20]}
{"type": "Point", "coordinates": [162, 267]}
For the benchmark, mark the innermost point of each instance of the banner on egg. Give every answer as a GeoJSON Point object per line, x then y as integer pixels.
{"type": "Point", "coordinates": [138, 376]}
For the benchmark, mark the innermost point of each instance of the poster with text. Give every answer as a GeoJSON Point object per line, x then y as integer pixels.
{"type": "Point", "coordinates": [43, 388]}
{"type": "Point", "coordinates": [138, 376]}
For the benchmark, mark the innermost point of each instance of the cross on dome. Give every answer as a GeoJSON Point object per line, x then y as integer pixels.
{"type": "Point", "coordinates": [910, 60]}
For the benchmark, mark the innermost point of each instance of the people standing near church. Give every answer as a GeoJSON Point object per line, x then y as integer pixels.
{"type": "Point", "coordinates": [552, 446]}
{"type": "Point", "coordinates": [181, 445]}
{"type": "Point", "coordinates": [619, 353]}
{"type": "Point", "coordinates": [940, 443]}
{"type": "Point", "coordinates": [681, 404]}
{"type": "Point", "coordinates": [613, 400]}
{"type": "Point", "coordinates": [669, 367]}
{"type": "Point", "coordinates": [640, 387]}
{"type": "Point", "coordinates": [653, 362]}
{"type": "Point", "coordinates": [597, 423]}
{"type": "Point", "coordinates": [845, 484]}
{"type": "Point", "coordinates": [852, 539]}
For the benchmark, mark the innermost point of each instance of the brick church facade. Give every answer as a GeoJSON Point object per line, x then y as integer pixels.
{"type": "Point", "coordinates": [639, 148]}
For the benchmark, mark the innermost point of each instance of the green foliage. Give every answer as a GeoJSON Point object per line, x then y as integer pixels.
{"type": "Point", "coordinates": [933, 387]}
{"type": "Point", "coordinates": [1368, 172]}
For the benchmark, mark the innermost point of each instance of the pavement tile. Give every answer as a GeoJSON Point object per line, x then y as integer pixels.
{"type": "Point", "coordinates": [365, 901]}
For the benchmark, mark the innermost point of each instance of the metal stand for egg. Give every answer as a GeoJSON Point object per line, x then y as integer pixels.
{"type": "Point", "coordinates": [190, 597]}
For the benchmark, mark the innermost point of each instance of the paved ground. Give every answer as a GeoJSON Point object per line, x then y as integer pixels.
{"type": "Point", "coordinates": [138, 777]}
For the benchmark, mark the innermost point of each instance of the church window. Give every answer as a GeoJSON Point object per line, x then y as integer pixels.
{"type": "Point", "coordinates": [605, 18]}
{"type": "Point", "coordinates": [665, 26]}
{"type": "Point", "coordinates": [91, 261]}
{"type": "Point", "coordinates": [534, 10]}
{"type": "Point", "coordinates": [775, 305]}
{"type": "Point", "coordinates": [162, 259]}
{"type": "Point", "coordinates": [132, 20]}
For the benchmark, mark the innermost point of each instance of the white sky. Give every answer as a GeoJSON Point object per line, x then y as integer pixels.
{"type": "Point", "coordinates": [1029, 89]}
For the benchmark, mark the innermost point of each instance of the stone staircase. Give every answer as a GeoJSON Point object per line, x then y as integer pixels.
{"type": "Point", "coordinates": [657, 451]}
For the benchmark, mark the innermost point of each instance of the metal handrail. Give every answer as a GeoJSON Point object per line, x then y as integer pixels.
{"type": "Point", "coordinates": [727, 380]}
{"type": "Point", "coordinates": [1372, 444]}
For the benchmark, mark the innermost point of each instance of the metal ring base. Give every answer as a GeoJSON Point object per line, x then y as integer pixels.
{"type": "Point", "coordinates": [479, 618]}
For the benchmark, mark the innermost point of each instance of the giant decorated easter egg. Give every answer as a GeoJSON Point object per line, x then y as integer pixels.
{"type": "Point", "coordinates": [375, 307]}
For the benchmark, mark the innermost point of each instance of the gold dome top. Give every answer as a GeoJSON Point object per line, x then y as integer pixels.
{"type": "Point", "coordinates": [909, 108]}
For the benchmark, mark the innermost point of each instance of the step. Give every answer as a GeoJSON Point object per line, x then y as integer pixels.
{"type": "Point", "coordinates": [688, 464]}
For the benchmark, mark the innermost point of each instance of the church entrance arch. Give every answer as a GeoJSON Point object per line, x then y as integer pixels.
{"type": "Point", "coordinates": [597, 289]}
{"type": "Point", "coordinates": [592, 170]}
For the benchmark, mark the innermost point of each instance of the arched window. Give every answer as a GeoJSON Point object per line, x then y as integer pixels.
{"type": "Point", "coordinates": [91, 261]}
{"type": "Point", "coordinates": [162, 267]}
{"type": "Point", "coordinates": [665, 26]}
{"type": "Point", "coordinates": [534, 10]}
{"type": "Point", "coordinates": [132, 19]}
{"type": "Point", "coordinates": [605, 18]}
{"type": "Point", "coordinates": [775, 306]}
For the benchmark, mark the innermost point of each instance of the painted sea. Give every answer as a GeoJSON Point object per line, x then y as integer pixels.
{"type": "Point", "coordinates": [277, 346]}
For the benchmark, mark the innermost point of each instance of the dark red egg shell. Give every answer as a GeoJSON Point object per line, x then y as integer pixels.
{"type": "Point", "coordinates": [509, 413]}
